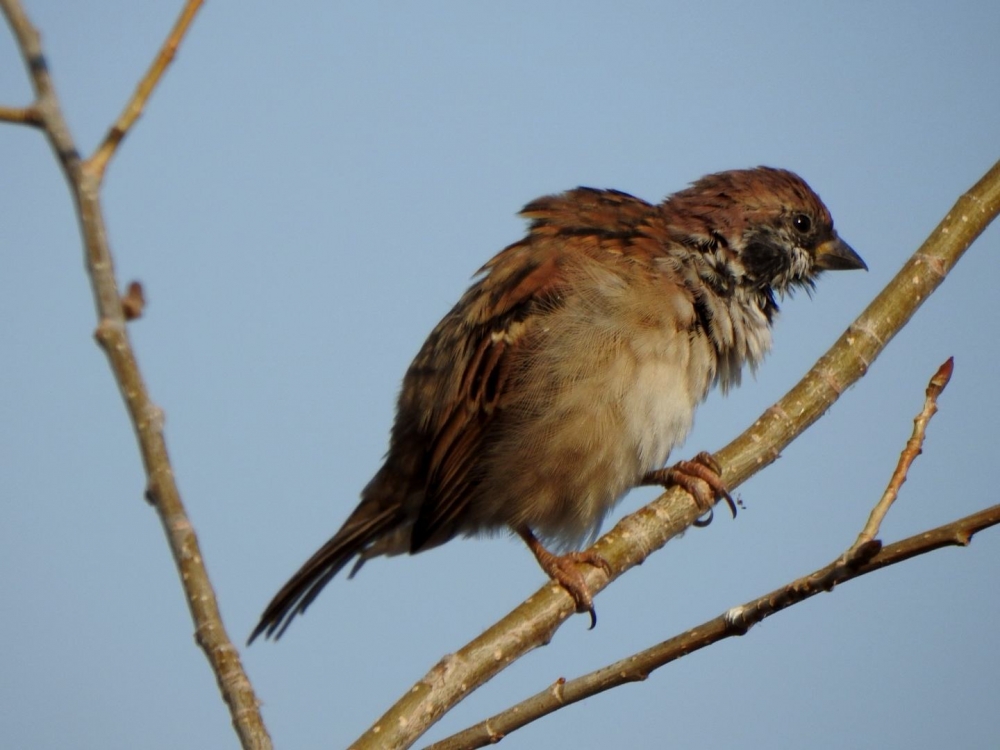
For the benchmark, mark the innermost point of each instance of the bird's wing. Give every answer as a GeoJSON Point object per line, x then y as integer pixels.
{"type": "Point", "coordinates": [455, 388]}
{"type": "Point", "coordinates": [471, 358]}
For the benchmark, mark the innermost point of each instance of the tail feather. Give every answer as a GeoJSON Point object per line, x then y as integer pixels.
{"type": "Point", "coordinates": [356, 535]}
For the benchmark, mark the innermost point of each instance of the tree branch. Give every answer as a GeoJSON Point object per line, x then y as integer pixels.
{"type": "Point", "coordinates": [21, 116]}
{"type": "Point", "coordinates": [98, 163]}
{"type": "Point", "coordinates": [914, 447]}
{"type": "Point", "coordinates": [45, 112]}
{"type": "Point", "coordinates": [84, 180]}
{"type": "Point", "coordinates": [636, 536]}
{"type": "Point", "coordinates": [858, 561]}
{"type": "Point", "coordinates": [864, 556]}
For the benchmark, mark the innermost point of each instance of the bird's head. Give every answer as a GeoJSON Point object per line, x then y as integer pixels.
{"type": "Point", "coordinates": [766, 228]}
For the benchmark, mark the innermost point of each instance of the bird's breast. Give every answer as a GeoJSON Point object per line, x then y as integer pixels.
{"type": "Point", "coordinates": [606, 390]}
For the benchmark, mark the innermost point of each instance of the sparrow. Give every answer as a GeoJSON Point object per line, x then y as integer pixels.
{"type": "Point", "coordinates": [572, 367]}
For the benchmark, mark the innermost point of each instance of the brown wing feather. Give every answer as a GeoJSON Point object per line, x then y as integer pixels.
{"type": "Point", "coordinates": [491, 347]}
{"type": "Point", "coordinates": [455, 387]}
{"type": "Point", "coordinates": [490, 340]}
{"type": "Point", "coordinates": [587, 210]}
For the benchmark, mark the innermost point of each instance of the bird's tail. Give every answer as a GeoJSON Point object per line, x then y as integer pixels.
{"type": "Point", "coordinates": [366, 526]}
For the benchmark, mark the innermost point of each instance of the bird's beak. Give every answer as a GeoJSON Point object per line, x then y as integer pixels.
{"type": "Point", "coordinates": [837, 255]}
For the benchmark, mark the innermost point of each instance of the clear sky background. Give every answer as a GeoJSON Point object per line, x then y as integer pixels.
{"type": "Point", "coordinates": [309, 191]}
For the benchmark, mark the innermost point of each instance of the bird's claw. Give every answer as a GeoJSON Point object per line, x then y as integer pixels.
{"type": "Point", "coordinates": [701, 478]}
{"type": "Point", "coordinates": [565, 571]}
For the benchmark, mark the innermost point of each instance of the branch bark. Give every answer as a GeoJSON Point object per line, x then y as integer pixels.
{"type": "Point", "coordinates": [864, 556]}
{"type": "Point", "coordinates": [84, 178]}
{"type": "Point", "coordinates": [858, 561]}
{"type": "Point", "coordinates": [635, 537]}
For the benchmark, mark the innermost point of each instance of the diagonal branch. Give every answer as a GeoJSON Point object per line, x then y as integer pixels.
{"type": "Point", "coordinates": [98, 163]}
{"type": "Point", "coordinates": [860, 560]}
{"type": "Point", "coordinates": [45, 112]}
{"type": "Point", "coordinates": [738, 620]}
{"type": "Point", "coordinates": [111, 333]}
{"type": "Point", "coordinates": [534, 622]}
{"type": "Point", "coordinates": [913, 448]}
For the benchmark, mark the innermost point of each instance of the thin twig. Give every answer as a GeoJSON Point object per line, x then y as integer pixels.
{"type": "Point", "coordinates": [112, 335]}
{"type": "Point", "coordinates": [913, 448]}
{"type": "Point", "coordinates": [737, 620]}
{"type": "Point", "coordinates": [21, 116]}
{"type": "Point", "coordinates": [46, 106]}
{"type": "Point", "coordinates": [534, 622]}
{"type": "Point", "coordinates": [98, 163]}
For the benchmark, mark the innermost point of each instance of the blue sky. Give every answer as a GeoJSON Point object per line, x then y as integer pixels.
{"type": "Point", "coordinates": [309, 191]}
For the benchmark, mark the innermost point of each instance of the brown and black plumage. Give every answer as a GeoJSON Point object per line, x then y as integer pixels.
{"type": "Point", "coordinates": [573, 366]}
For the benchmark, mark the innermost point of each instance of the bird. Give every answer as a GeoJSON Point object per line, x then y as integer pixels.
{"type": "Point", "coordinates": [572, 367]}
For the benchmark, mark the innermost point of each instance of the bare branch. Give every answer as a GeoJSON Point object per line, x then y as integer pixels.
{"type": "Point", "coordinates": [112, 335]}
{"type": "Point", "coordinates": [534, 622]}
{"type": "Point", "coordinates": [46, 111]}
{"type": "Point", "coordinates": [21, 116]}
{"type": "Point", "coordinates": [98, 163]}
{"type": "Point", "coordinates": [860, 560]}
{"type": "Point", "coordinates": [738, 620]}
{"type": "Point", "coordinates": [913, 449]}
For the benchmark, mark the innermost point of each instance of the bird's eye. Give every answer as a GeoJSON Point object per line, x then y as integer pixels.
{"type": "Point", "coordinates": [802, 223]}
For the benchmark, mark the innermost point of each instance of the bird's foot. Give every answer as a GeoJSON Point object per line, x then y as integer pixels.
{"type": "Point", "coordinates": [564, 570]}
{"type": "Point", "coordinates": [701, 478]}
